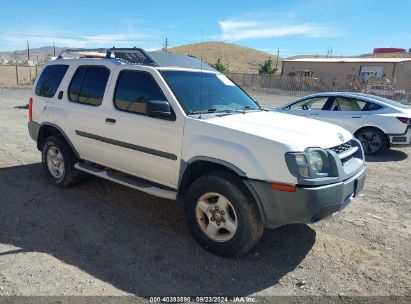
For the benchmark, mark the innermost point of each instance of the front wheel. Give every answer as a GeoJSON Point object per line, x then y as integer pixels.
{"type": "Point", "coordinates": [373, 140]}
{"type": "Point", "coordinates": [221, 215]}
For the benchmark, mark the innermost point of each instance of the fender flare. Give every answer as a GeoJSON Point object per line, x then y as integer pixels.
{"type": "Point", "coordinates": [49, 124]}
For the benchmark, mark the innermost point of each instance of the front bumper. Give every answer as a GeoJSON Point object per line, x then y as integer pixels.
{"type": "Point", "coordinates": [308, 204]}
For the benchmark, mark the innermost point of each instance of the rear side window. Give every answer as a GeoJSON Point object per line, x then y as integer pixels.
{"type": "Point", "coordinates": [134, 89]}
{"type": "Point", "coordinates": [350, 104]}
{"type": "Point", "coordinates": [50, 80]}
{"type": "Point", "coordinates": [88, 85]}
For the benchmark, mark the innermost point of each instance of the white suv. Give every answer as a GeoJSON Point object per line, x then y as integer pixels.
{"type": "Point", "coordinates": [173, 127]}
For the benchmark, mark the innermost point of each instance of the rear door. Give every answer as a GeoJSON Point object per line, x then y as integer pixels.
{"type": "Point", "coordinates": [127, 139]}
{"type": "Point", "coordinates": [83, 111]}
{"type": "Point", "coordinates": [349, 113]}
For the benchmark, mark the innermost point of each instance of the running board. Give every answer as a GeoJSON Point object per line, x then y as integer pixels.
{"type": "Point", "coordinates": [129, 181]}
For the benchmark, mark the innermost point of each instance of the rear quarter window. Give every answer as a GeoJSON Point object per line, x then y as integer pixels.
{"type": "Point", "coordinates": [50, 80]}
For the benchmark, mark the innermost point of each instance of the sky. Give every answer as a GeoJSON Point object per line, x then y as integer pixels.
{"type": "Point", "coordinates": [294, 27]}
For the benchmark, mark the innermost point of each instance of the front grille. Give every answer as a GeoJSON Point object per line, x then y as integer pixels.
{"type": "Point", "coordinates": [342, 148]}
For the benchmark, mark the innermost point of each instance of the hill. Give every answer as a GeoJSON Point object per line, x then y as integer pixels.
{"type": "Point", "coordinates": [238, 59]}
{"type": "Point", "coordinates": [41, 53]}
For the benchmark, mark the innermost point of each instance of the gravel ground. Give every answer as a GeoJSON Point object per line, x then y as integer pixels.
{"type": "Point", "coordinates": [100, 238]}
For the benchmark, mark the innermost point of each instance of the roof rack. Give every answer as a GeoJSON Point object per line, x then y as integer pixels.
{"type": "Point", "coordinates": [138, 56]}
{"type": "Point", "coordinates": [132, 56]}
{"type": "Point", "coordinates": [84, 53]}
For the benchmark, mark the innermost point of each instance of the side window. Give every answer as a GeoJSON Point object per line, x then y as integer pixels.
{"type": "Point", "coordinates": [88, 85]}
{"type": "Point", "coordinates": [347, 104]}
{"type": "Point", "coordinates": [50, 80]}
{"type": "Point", "coordinates": [316, 103]}
{"type": "Point", "coordinates": [134, 89]}
{"type": "Point", "coordinates": [370, 106]}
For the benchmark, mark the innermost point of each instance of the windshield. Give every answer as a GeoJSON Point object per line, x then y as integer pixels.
{"type": "Point", "coordinates": [207, 92]}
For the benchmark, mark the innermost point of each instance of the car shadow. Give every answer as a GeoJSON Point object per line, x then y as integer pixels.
{"type": "Point", "coordinates": [136, 242]}
{"type": "Point", "coordinates": [25, 107]}
{"type": "Point", "coordinates": [387, 156]}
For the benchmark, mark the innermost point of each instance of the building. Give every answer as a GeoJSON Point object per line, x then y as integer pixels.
{"type": "Point", "coordinates": [396, 70]}
{"type": "Point", "coordinates": [388, 50]}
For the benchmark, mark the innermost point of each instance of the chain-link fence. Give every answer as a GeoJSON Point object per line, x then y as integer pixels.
{"type": "Point", "coordinates": [15, 75]}
{"type": "Point", "coordinates": [304, 85]}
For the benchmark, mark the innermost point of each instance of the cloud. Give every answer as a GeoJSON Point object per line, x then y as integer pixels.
{"type": "Point", "coordinates": [42, 38]}
{"type": "Point", "coordinates": [235, 29]}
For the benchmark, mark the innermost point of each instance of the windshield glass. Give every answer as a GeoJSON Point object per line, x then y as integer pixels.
{"type": "Point", "coordinates": [206, 92]}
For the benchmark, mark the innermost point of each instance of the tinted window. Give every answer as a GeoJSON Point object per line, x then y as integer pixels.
{"type": "Point", "coordinates": [370, 106]}
{"type": "Point", "coordinates": [88, 85]}
{"type": "Point", "coordinates": [50, 80]}
{"type": "Point", "coordinates": [75, 85]}
{"type": "Point", "coordinates": [350, 104]}
{"type": "Point", "coordinates": [134, 89]}
{"type": "Point", "coordinates": [388, 101]}
{"type": "Point", "coordinates": [316, 103]}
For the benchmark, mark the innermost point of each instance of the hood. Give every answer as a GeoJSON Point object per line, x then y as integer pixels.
{"type": "Point", "coordinates": [295, 131]}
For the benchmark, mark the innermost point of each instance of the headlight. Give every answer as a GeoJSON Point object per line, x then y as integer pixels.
{"type": "Point", "coordinates": [312, 163]}
{"type": "Point", "coordinates": [316, 161]}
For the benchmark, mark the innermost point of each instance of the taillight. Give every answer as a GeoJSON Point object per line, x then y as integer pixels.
{"type": "Point", "coordinates": [404, 120]}
{"type": "Point", "coordinates": [30, 109]}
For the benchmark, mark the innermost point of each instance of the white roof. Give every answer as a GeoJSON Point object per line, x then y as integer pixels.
{"type": "Point", "coordinates": [350, 59]}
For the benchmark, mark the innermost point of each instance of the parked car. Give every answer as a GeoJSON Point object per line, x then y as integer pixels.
{"type": "Point", "coordinates": [174, 127]}
{"type": "Point", "coordinates": [386, 91]}
{"type": "Point", "coordinates": [375, 121]}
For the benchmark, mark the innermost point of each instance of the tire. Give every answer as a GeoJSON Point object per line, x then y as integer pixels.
{"type": "Point", "coordinates": [57, 153]}
{"type": "Point", "coordinates": [373, 140]}
{"type": "Point", "coordinates": [206, 198]}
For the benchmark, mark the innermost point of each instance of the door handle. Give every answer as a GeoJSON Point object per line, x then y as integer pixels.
{"type": "Point", "coordinates": [60, 96]}
{"type": "Point", "coordinates": [110, 121]}
{"type": "Point", "coordinates": [356, 117]}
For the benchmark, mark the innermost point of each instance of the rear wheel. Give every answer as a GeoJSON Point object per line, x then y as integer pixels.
{"type": "Point", "coordinates": [373, 140]}
{"type": "Point", "coordinates": [58, 162]}
{"type": "Point", "coordinates": [221, 216]}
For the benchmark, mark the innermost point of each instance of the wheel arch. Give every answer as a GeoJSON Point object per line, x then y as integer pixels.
{"type": "Point", "coordinates": [49, 129]}
{"type": "Point", "coordinates": [201, 165]}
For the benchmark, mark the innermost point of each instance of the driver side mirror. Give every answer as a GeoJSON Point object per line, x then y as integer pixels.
{"type": "Point", "coordinates": [160, 109]}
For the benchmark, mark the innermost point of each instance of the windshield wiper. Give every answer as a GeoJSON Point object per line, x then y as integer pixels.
{"type": "Point", "coordinates": [247, 108]}
{"type": "Point", "coordinates": [211, 110]}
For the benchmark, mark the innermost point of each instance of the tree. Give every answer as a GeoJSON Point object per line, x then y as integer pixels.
{"type": "Point", "coordinates": [267, 67]}
{"type": "Point", "coordinates": [220, 66]}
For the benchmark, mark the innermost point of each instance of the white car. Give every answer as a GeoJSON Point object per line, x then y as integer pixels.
{"type": "Point", "coordinates": [376, 121]}
{"type": "Point", "coordinates": [174, 127]}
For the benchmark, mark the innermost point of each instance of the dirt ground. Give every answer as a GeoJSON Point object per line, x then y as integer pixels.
{"type": "Point", "coordinates": [100, 238]}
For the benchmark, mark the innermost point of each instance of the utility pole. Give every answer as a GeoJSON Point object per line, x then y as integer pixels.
{"type": "Point", "coordinates": [331, 52]}
{"type": "Point", "coordinates": [276, 62]}
{"type": "Point", "coordinates": [28, 51]}
{"type": "Point", "coordinates": [54, 49]}
{"type": "Point", "coordinates": [166, 46]}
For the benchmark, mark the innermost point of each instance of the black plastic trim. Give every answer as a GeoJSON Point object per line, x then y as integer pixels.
{"type": "Point", "coordinates": [127, 145]}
